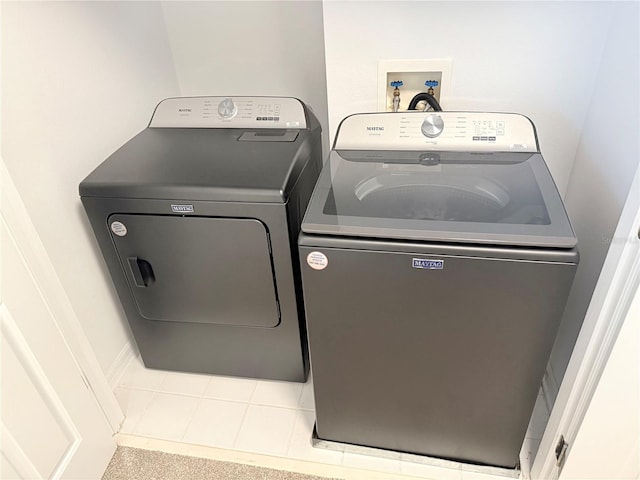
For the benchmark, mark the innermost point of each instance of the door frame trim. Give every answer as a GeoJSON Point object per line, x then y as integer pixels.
{"type": "Point", "coordinates": [615, 290]}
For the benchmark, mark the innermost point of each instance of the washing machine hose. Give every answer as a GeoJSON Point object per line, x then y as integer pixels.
{"type": "Point", "coordinates": [430, 99]}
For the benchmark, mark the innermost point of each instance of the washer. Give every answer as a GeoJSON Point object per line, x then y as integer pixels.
{"type": "Point", "coordinates": [437, 258]}
{"type": "Point", "coordinates": [197, 218]}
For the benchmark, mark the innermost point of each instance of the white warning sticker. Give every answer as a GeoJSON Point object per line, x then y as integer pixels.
{"type": "Point", "coordinates": [317, 260]}
{"type": "Point", "coordinates": [119, 229]}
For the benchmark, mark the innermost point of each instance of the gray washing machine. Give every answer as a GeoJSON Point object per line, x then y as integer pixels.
{"type": "Point", "coordinates": [197, 218]}
{"type": "Point", "coordinates": [436, 258]}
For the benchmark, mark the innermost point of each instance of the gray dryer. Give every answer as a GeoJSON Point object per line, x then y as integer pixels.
{"type": "Point", "coordinates": [197, 218]}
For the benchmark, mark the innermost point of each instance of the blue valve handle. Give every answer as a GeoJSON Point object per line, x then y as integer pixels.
{"type": "Point", "coordinates": [431, 83]}
{"type": "Point", "coordinates": [397, 83]}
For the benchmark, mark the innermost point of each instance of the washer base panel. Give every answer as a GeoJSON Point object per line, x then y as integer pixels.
{"type": "Point", "coordinates": [445, 362]}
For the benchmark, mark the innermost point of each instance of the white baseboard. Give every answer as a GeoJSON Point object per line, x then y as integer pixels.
{"type": "Point", "coordinates": [120, 364]}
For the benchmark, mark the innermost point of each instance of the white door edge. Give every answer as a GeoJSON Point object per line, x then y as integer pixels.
{"type": "Point", "coordinates": [18, 222]}
{"type": "Point", "coordinates": [615, 290]}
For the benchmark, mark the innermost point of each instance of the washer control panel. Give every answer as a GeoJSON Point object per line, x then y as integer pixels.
{"type": "Point", "coordinates": [229, 112]}
{"type": "Point", "coordinates": [443, 131]}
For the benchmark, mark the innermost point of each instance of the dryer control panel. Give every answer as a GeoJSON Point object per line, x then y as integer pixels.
{"type": "Point", "coordinates": [440, 131]}
{"type": "Point", "coordinates": [229, 112]}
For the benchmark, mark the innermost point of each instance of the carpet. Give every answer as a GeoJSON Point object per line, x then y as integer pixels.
{"type": "Point", "coordinates": [137, 464]}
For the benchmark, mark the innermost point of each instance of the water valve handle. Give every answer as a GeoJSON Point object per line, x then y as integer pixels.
{"type": "Point", "coordinates": [431, 83]}
{"type": "Point", "coordinates": [397, 83]}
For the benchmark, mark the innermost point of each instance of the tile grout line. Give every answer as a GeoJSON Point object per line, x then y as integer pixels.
{"type": "Point", "coordinates": [191, 417]}
{"type": "Point", "coordinates": [255, 387]}
{"type": "Point", "coordinates": [209, 397]}
{"type": "Point", "coordinates": [205, 397]}
{"type": "Point", "coordinates": [300, 396]}
{"type": "Point", "coordinates": [298, 417]}
{"type": "Point", "coordinates": [144, 411]}
{"type": "Point", "coordinates": [285, 452]}
{"type": "Point", "coordinates": [295, 423]}
{"type": "Point", "coordinates": [244, 415]}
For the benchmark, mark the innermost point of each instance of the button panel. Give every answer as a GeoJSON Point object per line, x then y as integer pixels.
{"type": "Point", "coordinates": [229, 112]}
{"type": "Point", "coordinates": [450, 131]}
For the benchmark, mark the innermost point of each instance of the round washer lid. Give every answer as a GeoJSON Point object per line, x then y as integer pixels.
{"type": "Point", "coordinates": [493, 198]}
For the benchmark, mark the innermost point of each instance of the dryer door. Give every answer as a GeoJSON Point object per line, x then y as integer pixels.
{"type": "Point", "coordinates": [198, 269]}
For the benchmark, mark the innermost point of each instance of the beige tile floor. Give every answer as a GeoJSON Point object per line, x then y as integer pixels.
{"type": "Point", "coordinates": [263, 417]}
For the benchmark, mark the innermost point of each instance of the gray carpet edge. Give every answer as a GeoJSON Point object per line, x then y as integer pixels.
{"type": "Point", "coordinates": [129, 463]}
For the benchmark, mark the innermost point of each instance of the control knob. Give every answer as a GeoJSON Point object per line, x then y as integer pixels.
{"type": "Point", "coordinates": [227, 109]}
{"type": "Point", "coordinates": [432, 126]}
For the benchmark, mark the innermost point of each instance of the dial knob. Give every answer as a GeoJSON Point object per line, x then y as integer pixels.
{"type": "Point", "coordinates": [227, 109]}
{"type": "Point", "coordinates": [432, 126]}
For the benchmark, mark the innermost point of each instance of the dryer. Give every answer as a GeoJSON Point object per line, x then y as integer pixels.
{"type": "Point", "coordinates": [437, 258]}
{"type": "Point", "coordinates": [197, 218]}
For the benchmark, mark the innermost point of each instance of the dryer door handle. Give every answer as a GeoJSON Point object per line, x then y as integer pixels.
{"type": "Point", "coordinates": [141, 271]}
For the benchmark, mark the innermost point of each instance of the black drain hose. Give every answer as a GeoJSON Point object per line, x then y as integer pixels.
{"type": "Point", "coordinates": [430, 99]}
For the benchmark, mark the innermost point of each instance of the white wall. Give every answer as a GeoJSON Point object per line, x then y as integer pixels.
{"type": "Point", "coordinates": [535, 58]}
{"type": "Point", "coordinates": [606, 160]}
{"type": "Point", "coordinates": [250, 48]}
{"type": "Point", "coordinates": [78, 80]}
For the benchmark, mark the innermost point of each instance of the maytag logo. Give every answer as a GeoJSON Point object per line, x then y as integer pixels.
{"type": "Point", "coordinates": [375, 129]}
{"type": "Point", "coordinates": [427, 263]}
{"type": "Point", "coordinates": [184, 110]}
{"type": "Point", "coordinates": [182, 208]}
